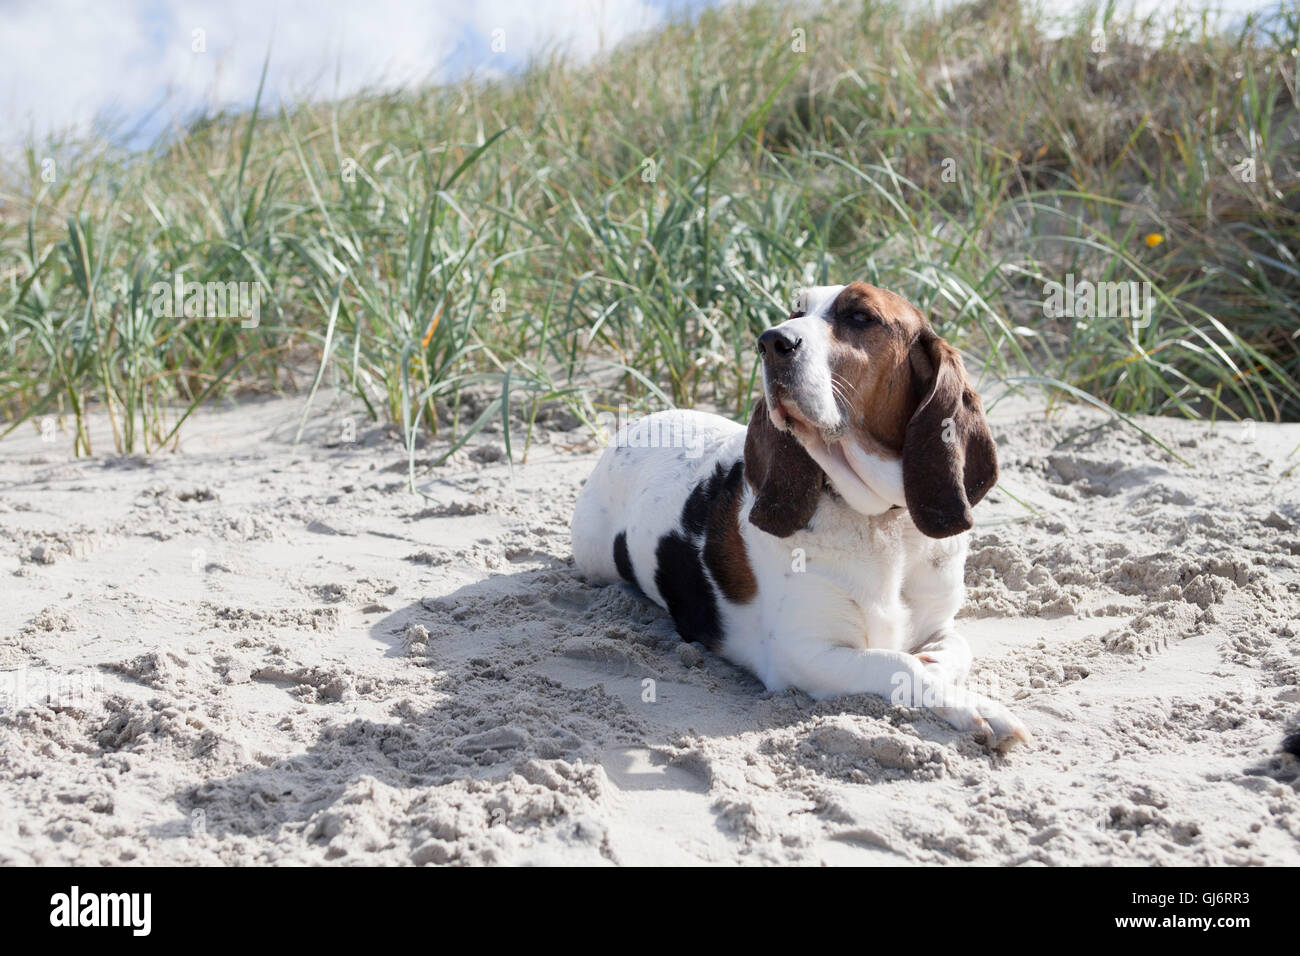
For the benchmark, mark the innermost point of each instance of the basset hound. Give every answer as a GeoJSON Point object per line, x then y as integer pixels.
{"type": "Point", "coordinates": [823, 546]}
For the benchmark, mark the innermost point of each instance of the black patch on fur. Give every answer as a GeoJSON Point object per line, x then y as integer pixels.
{"type": "Point", "coordinates": [679, 575]}
{"type": "Point", "coordinates": [1291, 743]}
{"type": "Point", "coordinates": [695, 513]}
{"type": "Point", "coordinates": [679, 563]}
{"type": "Point", "coordinates": [623, 560]}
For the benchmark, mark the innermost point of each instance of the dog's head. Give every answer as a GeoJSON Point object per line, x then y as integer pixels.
{"type": "Point", "coordinates": [860, 391]}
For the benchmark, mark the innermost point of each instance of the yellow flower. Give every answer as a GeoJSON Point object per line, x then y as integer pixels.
{"type": "Point", "coordinates": [1154, 239]}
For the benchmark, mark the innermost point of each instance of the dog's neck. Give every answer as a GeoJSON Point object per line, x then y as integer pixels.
{"type": "Point", "coordinates": [870, 481]}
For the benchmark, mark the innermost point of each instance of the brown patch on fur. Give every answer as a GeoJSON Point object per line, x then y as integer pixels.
{"type": "Point", "coordinates": [871, 329]}
{"type": "Point", "coordinates": [949, 461]}
{"type": "Point", "coordinates": [787, 483]}
{"type": "Point", "coordinates": [724, 547]}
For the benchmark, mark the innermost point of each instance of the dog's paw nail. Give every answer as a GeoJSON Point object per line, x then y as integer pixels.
{"type": "Point", "coordinates": [1016, 738]}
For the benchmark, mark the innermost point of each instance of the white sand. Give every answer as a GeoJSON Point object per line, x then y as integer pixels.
{"type": "Point", "coordinates": [268, 654]}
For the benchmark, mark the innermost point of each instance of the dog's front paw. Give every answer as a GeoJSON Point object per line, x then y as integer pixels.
{"type": "Point", "coordinates": [943, 668]}
{"type": "Point", "coordinates": [988, 721]}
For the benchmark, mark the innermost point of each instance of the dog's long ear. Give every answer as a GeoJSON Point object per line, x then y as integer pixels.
{"type": "Point", "coordinates": [787, 483]}
{"type": "Point", "coordinates": [949, 462]}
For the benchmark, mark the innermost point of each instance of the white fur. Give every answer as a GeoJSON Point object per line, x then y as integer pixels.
{"type": "Point", "coordinates": [872, 595]}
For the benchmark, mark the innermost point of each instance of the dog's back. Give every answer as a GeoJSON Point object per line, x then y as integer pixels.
{"type": "Point", "coordinates": [641, 485]}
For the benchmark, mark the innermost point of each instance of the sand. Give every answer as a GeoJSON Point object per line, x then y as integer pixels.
{"type": "Point", "coordinates": [252, 652]}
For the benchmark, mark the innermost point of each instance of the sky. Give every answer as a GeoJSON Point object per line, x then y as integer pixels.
{"type": "Point", "coordinates": [146, 63]}
{"type": "Point", "coordinates": [149, 64]}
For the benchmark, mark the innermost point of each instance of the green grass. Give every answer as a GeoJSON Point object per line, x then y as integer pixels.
{"type": "Point", "coordinates": [620, 232]}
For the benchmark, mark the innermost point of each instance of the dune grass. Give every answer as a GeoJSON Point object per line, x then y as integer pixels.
{"type": "Point", "coordinates": [621, 231]}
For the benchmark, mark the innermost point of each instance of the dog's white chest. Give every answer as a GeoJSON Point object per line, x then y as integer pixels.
{"type": "Point", "coordinates": [839, 582]}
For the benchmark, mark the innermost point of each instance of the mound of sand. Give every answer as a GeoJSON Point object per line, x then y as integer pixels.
{"type": "Point", "coordinates": [255, 652]}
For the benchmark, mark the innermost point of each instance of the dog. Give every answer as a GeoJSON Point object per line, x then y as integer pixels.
{"type": "Point", "coordinates": [822, 547]}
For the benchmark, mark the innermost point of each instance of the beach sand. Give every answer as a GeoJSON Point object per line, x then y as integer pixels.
{"type": "Point", "coordinates": [251, 651]}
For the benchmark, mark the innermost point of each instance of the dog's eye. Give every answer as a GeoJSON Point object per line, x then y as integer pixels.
{"type": "Point", "coordinates": [863, 319]}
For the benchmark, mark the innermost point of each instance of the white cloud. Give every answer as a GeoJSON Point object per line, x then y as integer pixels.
{"type": "Point", "coordinates": [583, 27]}
{"type": "Point", "coordinates": [63, 63]}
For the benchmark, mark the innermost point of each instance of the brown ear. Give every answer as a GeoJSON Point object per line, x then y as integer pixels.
{"type": "Point", "coordinates": [949, 462]}
{"type": "Point", "coordinates": [787, 483]}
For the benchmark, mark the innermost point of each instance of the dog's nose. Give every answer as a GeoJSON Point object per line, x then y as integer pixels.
{"type": "Point", "coordinates": [778, 345]}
